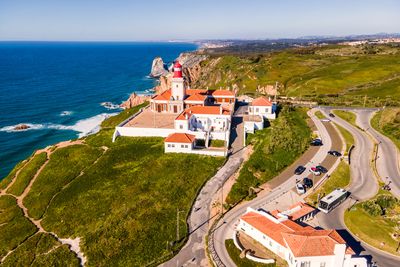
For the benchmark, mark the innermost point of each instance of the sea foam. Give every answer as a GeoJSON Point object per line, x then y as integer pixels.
{"type": "Point", "coordinates": [83, 127]}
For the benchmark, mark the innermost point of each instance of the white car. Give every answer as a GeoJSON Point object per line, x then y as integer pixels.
{"type": "Point", "coordinates": [325, 120]}
{"type": "Point", "coordinates": [300, 189]}
{"type": "Point", "coordinates": [315, 171]}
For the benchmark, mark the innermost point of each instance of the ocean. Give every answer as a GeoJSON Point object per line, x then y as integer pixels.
{"type": "Point", "coordinates": [59, 89]}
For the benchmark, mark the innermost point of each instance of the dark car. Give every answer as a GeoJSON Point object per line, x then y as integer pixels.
{"type": "Point", "coordinates": [299, 170]}
{"type": "Point", "coordinates": [331, 115]}
{"type": "Point", "coordinates": [316, 142]}
{"type": "Point", "coordinates": [321, 169]}
{"type": "Point", "coordinates": [334, 153]}
{"type": "Point", "coordinates": [307, 182]}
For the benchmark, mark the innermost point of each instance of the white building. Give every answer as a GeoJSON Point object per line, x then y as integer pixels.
{"type": "Point", "coordinates": [179, 142]}
{"type": "Point", "coordinates": [300, 246]}
{"type": "Point", "coordinates": [262, 106]}
{"type": "Point", "coordinates": [204, 114]}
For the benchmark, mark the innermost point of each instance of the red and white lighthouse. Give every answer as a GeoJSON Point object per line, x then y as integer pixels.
{"type": "Point", "coordinates": [177, 70]}
{"type": "Point", "coordinates": [178, 86]}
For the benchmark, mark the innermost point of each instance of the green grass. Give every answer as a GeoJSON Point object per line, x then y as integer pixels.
{"type": "Point", "coordinates": [41, 250]}
{"type": "Point", "coordinates": [7, 180]}
{"type": "Point", "coordinates": [217, 143]}
{"type": "Point", "coordinates": [275, 148]}
{"type": "Point", "coordinates": [323, 74]}
{"type": "Point", "coordinates": [348, 116]}
{"type": "Point", "coordinates": [347, 136]}
{"type": "Point", "coordinates": [27, 173]}
{"type": "Point", "coordinates": [113, 121]}
{"type": "Point", "coordinates": [65, 164]}
{"type": "Point", "coordinates": [387, 122]}
{"type": "Point", "coordinates": [340, 178]}
{"type": "Point", "coordinates": [319, 115]}
{"type": "Point", "coordinates": [14, 227]}
{"type": "Point", "coordinates": [234, 253]}
{"type": "Point", "coordinates": [374, 230]}
{"type": "Point", "coordinates": [135, 189]}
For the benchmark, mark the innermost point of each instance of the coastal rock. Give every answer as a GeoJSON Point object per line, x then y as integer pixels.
{"type": "Point", "coordinates": [134, 100]}
{"type": "Point", "coordinates": [158, 68]}
{"type": "Point", "coordinates": [21, 127]}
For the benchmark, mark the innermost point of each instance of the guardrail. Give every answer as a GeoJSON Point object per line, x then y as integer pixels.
{"type": "Point", "coordinates": [211, 246]}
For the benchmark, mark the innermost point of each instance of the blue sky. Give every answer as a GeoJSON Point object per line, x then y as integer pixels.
{"type": "Point", "coordinates": [123, 20]}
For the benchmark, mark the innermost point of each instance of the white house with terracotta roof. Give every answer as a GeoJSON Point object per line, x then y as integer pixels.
{"type": "Point", "coordinates": [300, 246]}
{"type": "Point", "coordinates": [262, 106]}
{"type": "Point", "coordinates": [179, 142]}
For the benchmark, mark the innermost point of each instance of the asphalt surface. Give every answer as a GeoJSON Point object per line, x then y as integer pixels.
{"type": "Point", "coordinates": [364, 185]}
{"type": "Point", "coordinates": [225, 228]}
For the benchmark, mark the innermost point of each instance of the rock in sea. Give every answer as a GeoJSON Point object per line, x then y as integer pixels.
{"type": "Point", "coordinates": [21, 127]}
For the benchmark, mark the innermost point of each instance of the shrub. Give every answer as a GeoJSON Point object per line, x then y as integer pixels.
{"type": "Point", "coordinates": [386, 201]}
{"type": "Point", "coordinates": [372, 208]}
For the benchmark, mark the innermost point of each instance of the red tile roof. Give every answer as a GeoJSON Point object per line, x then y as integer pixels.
{"type": "Point", "coordinates": [261, 101]}
{"type": "Point", "coordinates": [196, 91]}
{"type": "Point", "coordinates": [196, 97]}
{"type": "Point", "coordinates": [222, 93]}
{"type": "Point", "coordinates": [304, 210]}
{"type": "Point", "coordinates": [209, 110]}
{"type": "Point", "coordinates": [268, 227]}
{"type": "Point", "coordinates": [180, 138]}
{"type": "Point", "coordinates": [166, 95]}
{"type": "Point", "coordinates": [314, 243]}
{"type": "Point", "coordinates": [302, 241]}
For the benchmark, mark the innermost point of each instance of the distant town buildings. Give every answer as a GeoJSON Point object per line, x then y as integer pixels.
{"type": "Point", "coordinates": [284, 234]}
{"type": "Point", "coordinates": [375, 41]}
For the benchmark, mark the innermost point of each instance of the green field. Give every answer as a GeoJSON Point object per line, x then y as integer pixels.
{"type": "Point", "coordinates": [387, 122]}
{"type": "Point", "coordinates": [347, 136]}
{"type": "Point", "coordinates": [121, 202]}
{"type": "Point", "coordinates": [339, 75]}
{"type": "Point", "coordinates": [348, 116]}
{"type": "Point", "coordinates": [27, 173]}
{"type": "Point", "coordinates": [234, 253]}
{"type": "Point", "coordinates": [275, 148]}
{"type": "Point", "coordinates": [376, 230]}
{"type": "Point", "coordinates": [340, 178]}
{"type": "Point", "coordinates": [319, 115]}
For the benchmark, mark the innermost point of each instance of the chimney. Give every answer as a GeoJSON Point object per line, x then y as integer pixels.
{"type": "Point", "coordinates": [220, 110]}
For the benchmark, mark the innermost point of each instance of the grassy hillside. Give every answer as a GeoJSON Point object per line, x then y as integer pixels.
{"type": "Point", "coordinates": [331, 74]}
{"type": "Point", "coordinates": [121, 200]}
{"type": "Point", "coordinates": [387, 122]}
{"type": "Point", "coordinates": [275, 148]}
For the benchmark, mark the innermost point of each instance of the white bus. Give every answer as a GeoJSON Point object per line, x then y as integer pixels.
{"type": "Point", "coordinates": [331, 201]}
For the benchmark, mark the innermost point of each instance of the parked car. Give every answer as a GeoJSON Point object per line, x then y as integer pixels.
{"type": "Point", "coordinates": [299, 170]}
{"type": "Point", "coordinates": [334, 153]}
{"type": "Point", "coordinates": [300, 189]}
{"type": "Point", "coordinates": [315, 171]}
{"type": "Point", "coordinates": [316, 142]}
{"type": "Point", "coordinates": [325, 120]}
{"type": "Point", "coordinates": [321, 169]}
{"type": "Point", "coordinates": [331, 115]}
{"type": "Point", "coordinates": [307, 182]}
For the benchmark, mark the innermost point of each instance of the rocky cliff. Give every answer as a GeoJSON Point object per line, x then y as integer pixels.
{"type": "Point", "coordinates": [134, 100]}
{"type": "Point", "coordinates": [158, 68]}
{"type": "Point", "coordinates": [191, 63]}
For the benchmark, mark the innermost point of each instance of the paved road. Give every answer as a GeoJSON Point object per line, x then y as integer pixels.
{"type": "Point", "coordinates": [193, 253]}
{"type": "Point", "coordinates": [363, 186]}
{"type": "Point", "coordinates": [226, 226]}
{"type": "Point", "coordinates": [388, 157]}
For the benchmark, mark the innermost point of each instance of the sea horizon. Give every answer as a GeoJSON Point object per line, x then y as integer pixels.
{"type": "Point", "coordinates": [59, 89]}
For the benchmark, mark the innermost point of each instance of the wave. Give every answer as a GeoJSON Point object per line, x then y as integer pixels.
{"type": "Point", "coordinates": [66, 113]}
{"type": "Point", "coordinates": [110, 105]}
{"type": "Point", "coordinates": [84, 127]}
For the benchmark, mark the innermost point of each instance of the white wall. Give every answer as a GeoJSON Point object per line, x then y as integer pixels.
{"type": "Point", "coordinates": [177, 147]}
{"type": "Point", "coordinates": [264, 111]}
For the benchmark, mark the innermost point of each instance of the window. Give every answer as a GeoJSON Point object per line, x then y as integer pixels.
{"type": "Point", "coordinates": [169, 145]}
{"type": "Point", "coordinates": [181, 126]}
{"type": "Point", "coordinates": [172, 145]}
{"type": "Point", "coordinates": [305, 264]}
{"type": "Point", "coordinates": [270, 243]}
{"type": "Point", "coordinates": [256, 109]}
{"type": "Point", "coordinates": [182, 146]}
{"type": "Point", "coordinates": [177, 86]}
{"type": "Point", "coordinates": [264, 237]}
{"type": "Point", "coordinates": [186, 146]}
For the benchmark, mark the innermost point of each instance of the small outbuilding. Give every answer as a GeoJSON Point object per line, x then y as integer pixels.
{"type": "Point", "coordinates": [179, 143]}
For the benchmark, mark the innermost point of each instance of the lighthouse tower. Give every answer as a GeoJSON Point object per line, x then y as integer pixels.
{"type": "Point", "coordinates": [178, 87]}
